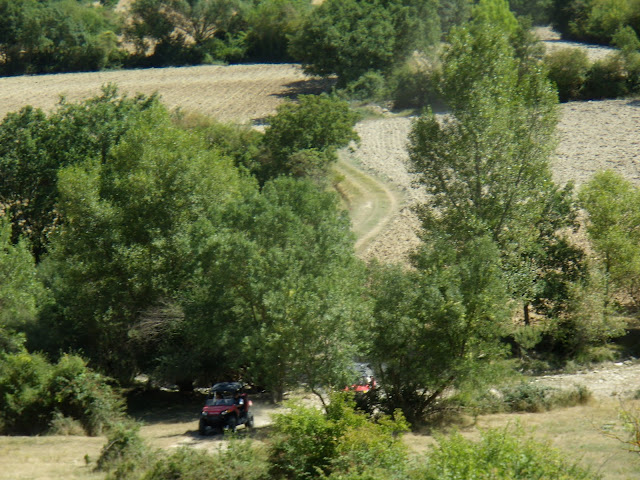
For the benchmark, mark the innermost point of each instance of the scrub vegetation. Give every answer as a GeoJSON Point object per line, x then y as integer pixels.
{"type": "Point", "coordinates": [139, 242]}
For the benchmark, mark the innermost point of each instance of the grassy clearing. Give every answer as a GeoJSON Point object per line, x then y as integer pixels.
{"type": "Point", "coordinates": [49, 457]}
{"type": "Point", "coordinates": [578, 431]}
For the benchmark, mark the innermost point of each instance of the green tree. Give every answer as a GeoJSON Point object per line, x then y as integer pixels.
{"type": "Point", "coordinates": [302, 138]}
{"type": "Point", "coordinates": [495, 13]}
{"type": "Point", "coordinates": [131, 230]}
{"type": "Point", "coordinates": [452, 13]}
{"type": "Point", "coordinates": [486, 165]}
{"type": "Point", "coordinates": [34, 146]}
{"type": "Point", "coordinates": [21, 292]}
{"type": "Point", "coordinates": [56, 36]}
{"type": "Point", "coordinates": [288, 290]}
{"type": "Point", "coordinates": [593, 20]}
{"type": "Point", "coordinates": [271, 23]}
{"type": "Point", "coordinates": [539, 11]}
{"type": "Point", "coordinates": [183, 31]}
{"type": "Point", "coordinates": [437, 327]}
{"type": "Point", "coordinates": [613, 205]}
{"type": "Point", "coordinates": [351, 38]}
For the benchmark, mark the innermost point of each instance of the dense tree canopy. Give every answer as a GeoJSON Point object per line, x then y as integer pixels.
{"type": "Point", "coordinates": [34, 146]}
{"type": "Point", "coordinates": [438, 327]}
{"type": "Point", "coordinates": [350, 38]}
{"type": "Point", "coordinates": [56, 36]}
{"type": "Point", "coordinates": [130, 227]}
{"type": "Point", "coordinates": [302, 138]}
{"type": "Point", "coordinates": [288, 289]}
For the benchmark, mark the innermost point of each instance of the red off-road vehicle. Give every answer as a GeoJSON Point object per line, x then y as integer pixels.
{"type": "Point", "coordinates": [226, 407]}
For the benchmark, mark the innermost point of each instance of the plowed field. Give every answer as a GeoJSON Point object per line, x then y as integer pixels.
{"type": "Point", "coordinates": [239, 93]}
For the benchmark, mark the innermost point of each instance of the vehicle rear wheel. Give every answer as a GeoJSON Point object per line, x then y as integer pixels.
{"type": "Point", "coordinates": [250, 423]}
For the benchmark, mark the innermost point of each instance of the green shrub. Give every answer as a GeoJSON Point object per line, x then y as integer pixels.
{"type": "Point", "coordinates": [370, 85]}
{"type": "Point", "coordinates": [339, 443]}
{"type": "Point", "coordinates": [498, 455]}
{"type": "Point", "coordinates": [413, 86]}
{"type": "Point", "coordinates": [568, 69]}
{"type": "Point", "coordinates": [527, 397]}
{"type": "Point", "coordinates": [124, 453]}
{"type": "Point", "coordinates": [628, 42]}
{"type": "Point", "coordinates": [304, 443]}
{"type": "Point", "coordinates": [84, 395]}
{"type": "Point", "coordinates": [25, 406]}
{"type": "Point", "coordinates": [530, 397]}
{"type": "Point", "coordinates": [241, 460]}
{"type": "Point", "coordinates": [34, 393]}
{"type": "Point", "coordinates": [606, 78]}
{"type": "Point", "coordinates": [61, 425]}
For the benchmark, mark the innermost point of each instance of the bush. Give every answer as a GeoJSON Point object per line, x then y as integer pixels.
{"type": "Point", "coordinates": [340, 442]}
{"type": "Point", "coordinates": [413, 86]}
{"type": "Point", "coordinates": [124, 453]}
{"type": "Point", "coordinates": [84, 395]}
{"type": "Point", "coordinates": [498, 455]}
{"type": "Point", "coordinates": [61, 425]}
{"type": "Point", "coordinates": [239, 461]}
{"type": "Point", "coordinates": [25, 406]}
{"type": "Point", "coordinates": [606, 78]}
{"type": "Point", "coordinates": [529, 397]}
{"type": "Point", "coordinates": [35, 395]}
{"type": "Point", "coordinates": [370, 86]}
{"type": "Point", "coordinates": [568, 69]}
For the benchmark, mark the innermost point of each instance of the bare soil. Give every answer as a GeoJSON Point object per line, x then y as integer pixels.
{"type": "Point", "coordinates": [237, 93]}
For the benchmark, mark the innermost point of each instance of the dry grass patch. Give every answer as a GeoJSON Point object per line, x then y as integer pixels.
{"type": "Point", "coordinates": [49, 457]}
{"type": "Point", "coordinates": [578, 431]}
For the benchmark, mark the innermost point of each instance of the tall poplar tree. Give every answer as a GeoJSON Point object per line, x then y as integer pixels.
{"type": "Point", "coordinates": [485, 164]}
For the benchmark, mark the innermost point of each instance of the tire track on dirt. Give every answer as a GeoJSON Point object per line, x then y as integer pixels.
{"type": "Point", "coordinates": [371, 203]}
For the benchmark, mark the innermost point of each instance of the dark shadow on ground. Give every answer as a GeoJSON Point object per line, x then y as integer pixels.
{"type": "Point", "coordinates": [160, 406]}
{"type": "Point", "coordinates": [311, 86]}
{"type": "Point", "coordinates": [629, 343]}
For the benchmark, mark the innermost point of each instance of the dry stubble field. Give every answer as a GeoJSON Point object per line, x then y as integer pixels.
{"type": "Point", "coordinates": [592, 136]}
